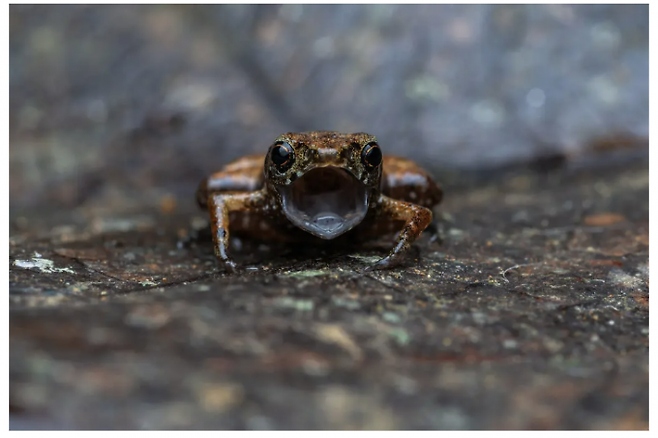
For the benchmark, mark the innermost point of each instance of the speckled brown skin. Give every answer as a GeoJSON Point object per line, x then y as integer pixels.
{"type": "Point", "coordinates": [243, 196]}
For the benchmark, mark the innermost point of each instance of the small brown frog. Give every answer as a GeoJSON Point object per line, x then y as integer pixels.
{"type": "Point", "coordinates": [319, 184]}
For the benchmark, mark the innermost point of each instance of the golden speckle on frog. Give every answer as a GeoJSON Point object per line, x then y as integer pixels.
{"type": "Point", "coordinates": [323, 184]}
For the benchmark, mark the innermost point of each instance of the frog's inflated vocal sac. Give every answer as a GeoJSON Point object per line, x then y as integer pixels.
{"type": "Point", "coordinates": [321, 184]}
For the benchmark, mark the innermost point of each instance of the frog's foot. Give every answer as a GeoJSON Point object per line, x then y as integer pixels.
{"type": "Point", "coordinates": [230, 267]}
{"type": "Point", "coordinates": [390, 261]}
{"type": "Point", "coordinates": [416, 218]}
{"type": "Point", "coordinates": [220, 205]}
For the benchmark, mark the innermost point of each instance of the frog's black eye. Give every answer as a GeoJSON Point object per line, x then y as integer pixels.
{"type": "Point", "coordinates": [282, 156]}
{"type": "Point", "coordinates": [371, 155]}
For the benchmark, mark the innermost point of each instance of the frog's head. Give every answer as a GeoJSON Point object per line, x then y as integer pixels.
{"type": "Point", "coordinates": [324, 181]}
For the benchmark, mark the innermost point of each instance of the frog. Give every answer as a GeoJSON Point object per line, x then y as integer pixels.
{"type": "Point", "coordinates": [319, 186]}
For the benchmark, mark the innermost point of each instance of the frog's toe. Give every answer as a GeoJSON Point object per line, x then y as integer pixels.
{"type": "Point", "coordinates": [230, 266]}
{"type": "Point", "coordinates": [387, 262]}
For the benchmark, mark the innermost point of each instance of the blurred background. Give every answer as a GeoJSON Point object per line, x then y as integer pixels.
{"type": "Point", "coordinates": [118, 107]}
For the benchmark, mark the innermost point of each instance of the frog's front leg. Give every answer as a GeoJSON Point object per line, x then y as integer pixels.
{"type": "Point", "coordinates": [415, 217]}
{"type": "Point", "coordinates": [219, 206]}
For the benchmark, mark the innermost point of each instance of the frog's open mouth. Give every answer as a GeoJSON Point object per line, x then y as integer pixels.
{"type": "Point", "coordinates": [325, 201]}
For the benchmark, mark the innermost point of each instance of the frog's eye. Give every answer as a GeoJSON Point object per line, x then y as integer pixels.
{"type": "Point", "coordinates": [371, 155]}
{"type": "Point", "coordinates": [282, 156]}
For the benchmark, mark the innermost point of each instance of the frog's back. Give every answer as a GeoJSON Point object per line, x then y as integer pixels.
{"type": "Point", "coordinates": [405, 180]}
{"type": "Point", "coordinates": [242, 175]}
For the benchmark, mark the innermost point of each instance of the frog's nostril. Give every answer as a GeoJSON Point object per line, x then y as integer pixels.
{"type": "Point", "coordinates": [327, 153]}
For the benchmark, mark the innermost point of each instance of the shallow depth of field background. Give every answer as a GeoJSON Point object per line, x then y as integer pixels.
{"type": "Point", "coordinates": [120, 106]}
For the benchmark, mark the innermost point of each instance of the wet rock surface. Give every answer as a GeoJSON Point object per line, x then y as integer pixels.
{"type": "Point", "coordinates": [530, 312]}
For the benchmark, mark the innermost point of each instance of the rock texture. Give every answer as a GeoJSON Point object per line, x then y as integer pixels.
{"type": "Point", "coordinates": [530, 312]}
